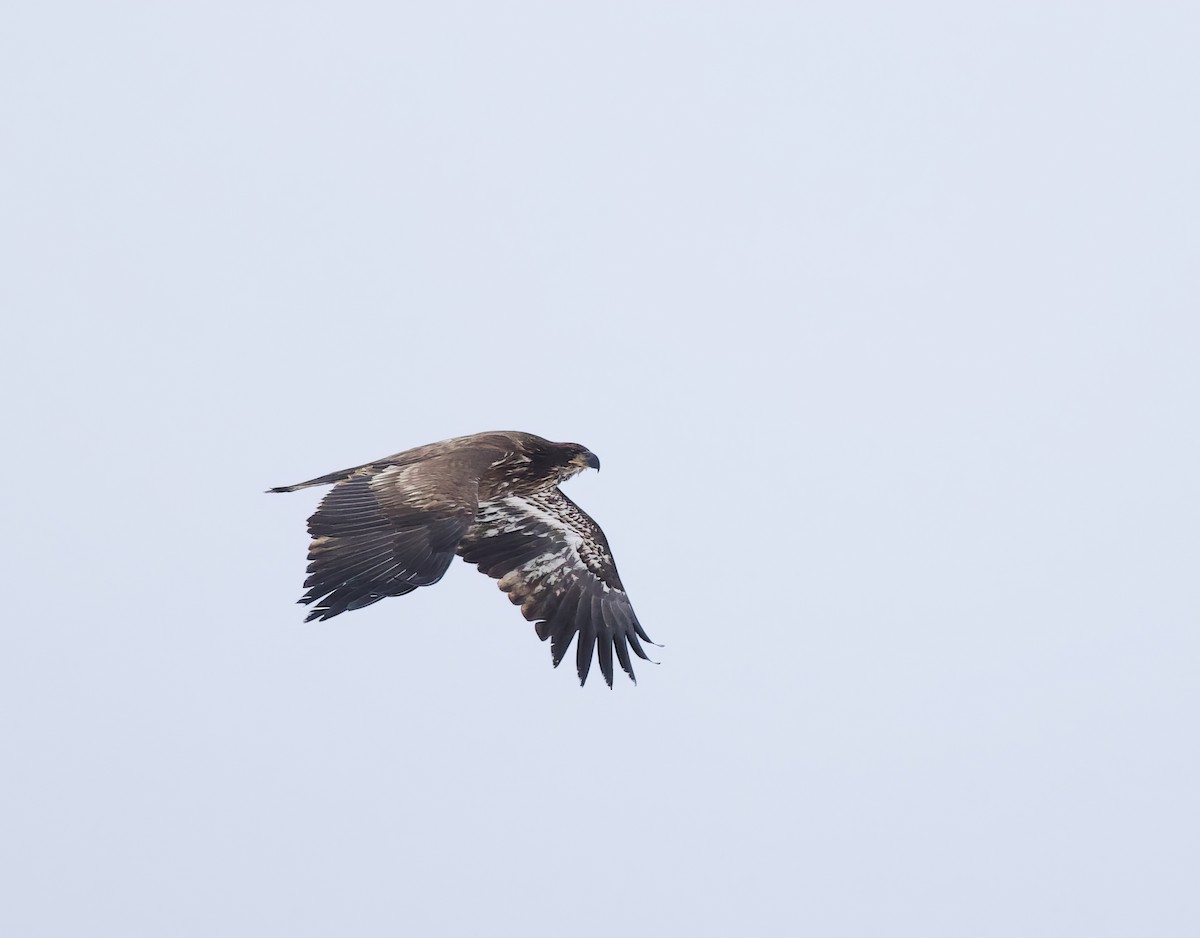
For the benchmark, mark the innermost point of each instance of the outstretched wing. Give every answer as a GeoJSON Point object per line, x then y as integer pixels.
{"type": "Point", "coordinates": [388, 529]}
{"type": "Point", "coordinates": [553, 561]}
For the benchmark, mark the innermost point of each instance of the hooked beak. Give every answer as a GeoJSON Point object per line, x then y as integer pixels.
{"type": "Point", "coordinates": [587, 460]}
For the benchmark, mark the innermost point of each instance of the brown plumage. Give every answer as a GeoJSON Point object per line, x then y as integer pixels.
{"type": "Point", "coordinates": [394, 524]}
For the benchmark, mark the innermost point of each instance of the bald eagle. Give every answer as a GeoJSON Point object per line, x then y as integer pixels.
{"type": "Point", "coordinates": [394, 524]}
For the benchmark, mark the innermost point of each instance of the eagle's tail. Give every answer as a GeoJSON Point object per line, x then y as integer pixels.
{"type": "Point", "coordinates": [319, 480]}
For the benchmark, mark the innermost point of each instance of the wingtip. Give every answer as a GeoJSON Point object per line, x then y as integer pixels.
{"type": "Point", "coordinates": [583, 682]}
{"type": "Point", "coordinates": [319, 614]}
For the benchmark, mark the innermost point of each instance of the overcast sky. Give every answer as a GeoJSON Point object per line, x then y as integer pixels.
{"type": "Point", "coordinates": [883, 320]}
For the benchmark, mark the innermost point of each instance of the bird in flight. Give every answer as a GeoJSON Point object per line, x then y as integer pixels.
{"type": "Point", "coordinates": [389, 526]}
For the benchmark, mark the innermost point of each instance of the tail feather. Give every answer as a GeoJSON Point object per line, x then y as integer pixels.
{"type": "Point", "coordinates": [328, 479]}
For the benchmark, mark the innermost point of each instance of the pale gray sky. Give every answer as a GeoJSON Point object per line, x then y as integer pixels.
{"type": "Point", "coordinates": [883, 320]}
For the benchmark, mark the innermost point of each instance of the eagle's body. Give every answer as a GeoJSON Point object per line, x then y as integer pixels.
{"type": "Point", "coordinates": [394, 524]}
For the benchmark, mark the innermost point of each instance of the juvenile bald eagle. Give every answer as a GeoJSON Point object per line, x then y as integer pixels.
{"type": "Point", "coordinates": [394, 524]}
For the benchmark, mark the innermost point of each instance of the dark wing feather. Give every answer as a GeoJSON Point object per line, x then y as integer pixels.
{"type": "Point", "coordinates": [554, 561]}
{"type": "Point", "coordinates": [388, 529]}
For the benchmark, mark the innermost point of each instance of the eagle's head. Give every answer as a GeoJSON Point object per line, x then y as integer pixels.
{"type": "Point", "coordinates": [538, 462]}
